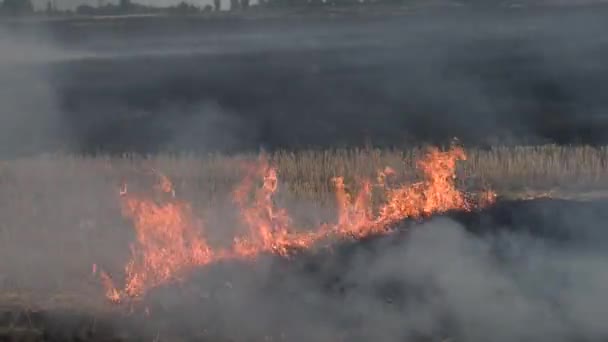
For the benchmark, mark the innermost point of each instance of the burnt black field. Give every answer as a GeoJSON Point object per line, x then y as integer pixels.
{"type": "Point", "coordinates": [486, 76]}
{"type": "Point", "coordinates": [531, 270]}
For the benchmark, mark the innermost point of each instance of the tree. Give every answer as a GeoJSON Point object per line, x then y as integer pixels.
{"type": "Point", "coordinates": [184, 8]}
{"type": "Point", "coordinates": [85, 10]}
{"type": "Point", "coordinates": [50, 7]}
{"type": "Point", "coordinates": [16, 7]}
{"type": "Point", "coordinates": [217, 5]}
{"type": "Point", "coordinates": [125, 5]}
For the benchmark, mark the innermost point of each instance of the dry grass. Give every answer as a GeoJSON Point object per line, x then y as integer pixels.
{"type": "Point", "coordinates": [64, 211]}
{"type": "Point", "coordinates": [307, 174]}
{"type": "Point", "coordinates": [505, 169]}
{"type": "Point", "coordinates": [61, 214]}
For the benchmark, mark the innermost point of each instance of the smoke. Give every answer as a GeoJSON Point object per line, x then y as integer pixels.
{"type": "Point", "coordinates": [514, 272]}
{"type": "Point", "coordinates": [30, 115]}
{"type": "Point", "coordinates": [464, 277]}
{"type": "Point", "coordinates": [533, 273]}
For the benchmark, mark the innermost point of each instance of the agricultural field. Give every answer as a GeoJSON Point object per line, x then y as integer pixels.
{"type": "Point", "coordinates": [73, 216]}
{"type": "Point", "coordinates": [297, 177]}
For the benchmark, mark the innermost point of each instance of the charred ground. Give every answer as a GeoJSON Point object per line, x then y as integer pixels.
{"type": "Point", "coordinates": [484, 75]}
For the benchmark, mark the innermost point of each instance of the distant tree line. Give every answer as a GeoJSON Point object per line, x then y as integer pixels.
{"type": "Point", "coordinates": [16, 7]}
{"type": "Point", "coordinates": [128, 7]}
{"type": "Point", "coordinates": [24, 7]}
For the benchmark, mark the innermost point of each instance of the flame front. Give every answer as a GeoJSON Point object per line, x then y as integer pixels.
{"type": "Point", "coordinates": [270, 229]}
{"type": "Point", "coordinates": [168, 243]}
{"type": "Point", "coordinates": [170, 239]}
{"type": "Point", "coordinates": [436, 193]}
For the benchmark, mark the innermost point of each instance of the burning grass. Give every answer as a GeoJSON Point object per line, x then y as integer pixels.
{"type": "Point", "coordinates": [171, 239]}
{"type": "Point", "coordinates": [166, 215]}
{"type": "Point", "coordinates": [308, 174]}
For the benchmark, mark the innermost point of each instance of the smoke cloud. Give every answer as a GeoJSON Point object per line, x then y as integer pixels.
{"type": "Point", "coordinates": [31, 119]}
{"type": "Point", "coordinates": [526, 277]}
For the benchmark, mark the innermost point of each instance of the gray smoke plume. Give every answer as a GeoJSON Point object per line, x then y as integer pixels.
{"type": "Point", "coordinates": [523, 272]}
{"type": "Point", "coordinates": [30, 117]}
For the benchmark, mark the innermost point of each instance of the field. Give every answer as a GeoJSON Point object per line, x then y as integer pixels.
{"type": "Point", "coordinates": [73, 200]}
{"type": "Point", "coordinates": [135, 203]}
{"type": "Point", "coordinates": [64, 210]}
{"type": "Point", "coordinates": [150, 85]}
{"type": "Point", "coordinates": [307, 174]}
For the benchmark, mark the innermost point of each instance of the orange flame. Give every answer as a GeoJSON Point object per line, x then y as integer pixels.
{"type": "Point", "coordinates": [111, 292]}
{"type": "Point", "coordinates": [270, 228]}
{"type": "Point", "coordinates": [354, 217]}
{"type": "Point", "coordinates": [436, 193]}
{"type": "Point", "coordinates": [170, 241]}
{"type": "Point", "coordinates": [164, 184]}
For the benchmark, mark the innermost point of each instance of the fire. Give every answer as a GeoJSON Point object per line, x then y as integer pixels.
{"type": "Point", "coordinates": [354, 216]}
{"type": "Point", "coordinates": [111, 292]}
{"type": "Point", "coordinates": [170, 240]}
{"type": "Point", "coordinates": [169, 243]}
{"type": "Point", "coordinates": [270, 228]}
{"type": "Point", "coordinates": [436, 193]}
{"type": "Point", "coordinates": [164, 183]}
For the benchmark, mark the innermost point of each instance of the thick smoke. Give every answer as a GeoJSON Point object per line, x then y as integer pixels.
{"type": "Point", "coordinates": [518, 272]}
